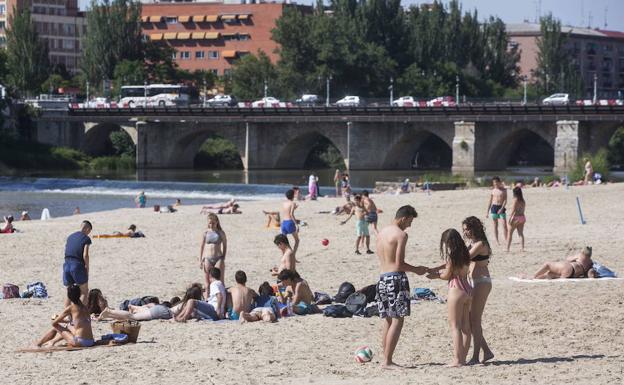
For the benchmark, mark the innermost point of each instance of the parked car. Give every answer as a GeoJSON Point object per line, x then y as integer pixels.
{"type": "Point", "coordinates": [557, 100]}
{"type": "Point", "coordinates": [349, 101]}
{"type": "Point", "coordinates": [222, 101]}
{"type": "Point", "coordinates": [442, 101]}
{"type": "Point", "coordinates": [405, 101]}
{"type": "Point", "coordinates": [268, 102]}
{"type": "Point", "coordinates": [308, 100]}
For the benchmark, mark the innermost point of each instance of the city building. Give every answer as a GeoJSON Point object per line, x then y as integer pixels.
{"type": "Point", "coordinates": [59, 24]}
{"type": "Point", "coordinates": [596, 53]}
{"type": "Point", "coordinates": [211, 35]}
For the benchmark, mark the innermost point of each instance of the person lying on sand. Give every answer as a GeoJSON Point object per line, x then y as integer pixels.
{"type": "Point", "coordinates": [273, 219]}
{"type": "Point", "coordinates": [148, 312]}
{"type": "Point", "coordinates": [76, 333]}
{"type": "Point", "coordinates": [298, 292]}
{"type": "Point", "coordinates": [240, 297]}
{"type": "Point", "coordinates": [96, 302]}
{"type": "Point", "coordinates": [219, 206]}
{"type": "Point", "coordinates": [575, 266]}
{"type": "Point", "coordinates": [266, 306]}
{"type": "Point", "coordinates": [228, 210]}
{"type": "Point", "coordinates": [130, 233]}
{"type": "Point", "coordinates": [8, 225]}
{"type": "Point", "coordinates": [213, 308]}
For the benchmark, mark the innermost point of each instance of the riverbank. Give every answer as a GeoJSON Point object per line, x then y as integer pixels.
{"type": "Point", "coordinates": [523, 322]}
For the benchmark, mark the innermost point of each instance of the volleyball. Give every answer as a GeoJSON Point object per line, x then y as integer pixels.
{"type": "Point", "coordinates": [363, 354]}
{"type": "Point", "coordinates": [325, 242]}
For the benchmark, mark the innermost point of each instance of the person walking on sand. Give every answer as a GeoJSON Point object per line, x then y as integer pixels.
{"type": "Point", "coordinates": [76, 266]}
{"type": "Point", "coordinates": [480, 253]}
{"type": "Point", "coordinates": [337, 182]}
{"type": "Point", "coordinates": [517, 218]}
{"type": "Point", "coordinates": [361, 226]}
{"type": "Point", "coordinates": [393, 292]}
{"type": "Point", "coordinates": [496, 206]}
{"type": "Point", "coordinates": [371, 210]}
{"type": "Point", "coordinates": [141, 200]}
{"type": "Point", "coordinates": [289, 223]}
{"type": "Point", "coordinates": [455, 270]}
{"type": "Point", "coordinates": [213, 250]}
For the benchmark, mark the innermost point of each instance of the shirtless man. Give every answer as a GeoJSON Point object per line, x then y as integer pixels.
{"type": "Point", "coordinates": [299, 293]}
{"type": "Point", "coordinates": [288, 260]}
{"type": "Point", "coordinates": [496, 206]}
{"type": "Point", "coordinates": [575, 266]}
{"type": "Point", "coordinates": [393, 292]}
{"type": "Point", "coordinates": [289, 224]}
{"type": "Point", "coordinates": [361, 226]}
{"type": "Point", "coordinates": [242, 298]}
{"type": "Point", "coordinates": [371, 210]}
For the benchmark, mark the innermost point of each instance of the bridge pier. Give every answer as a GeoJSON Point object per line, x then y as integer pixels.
{"type": "Point", "coordinates": [464, 148]}
{"type": "Point", "coordinates": [566, 146]}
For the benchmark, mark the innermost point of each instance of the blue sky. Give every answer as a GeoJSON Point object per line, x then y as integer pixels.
{"type": "Point", "coordinates": [570, 12]}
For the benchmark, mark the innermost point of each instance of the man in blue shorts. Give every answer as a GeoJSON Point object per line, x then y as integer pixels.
{"type": "Point", "coordinates": [289, 223]}
{"type": "Point", "coordinates": [76, 266]}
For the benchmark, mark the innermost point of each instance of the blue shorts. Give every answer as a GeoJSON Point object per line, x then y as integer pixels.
{"type": "Point", "coordinates": [204, 310]}
{"type": "Point", "coordinates": [288, 227]}
{"type": "Point", "coordinates": [74, 272]}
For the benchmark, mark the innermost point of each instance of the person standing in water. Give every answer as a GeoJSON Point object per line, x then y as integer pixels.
{"type": "Point", "coordinates": [496, 206]}
{"type": "Point", "coordinates": [141, 199]}
{"type": "Point", "coordinates": [289, 222]}
{"type": "Point", "coordinates": [213, 250]}
{"type": "Point", "coordinates": [517, 218]}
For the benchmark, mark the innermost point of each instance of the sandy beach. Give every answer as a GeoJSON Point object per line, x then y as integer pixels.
{"type": "Point", "coordinates": [551, 333]}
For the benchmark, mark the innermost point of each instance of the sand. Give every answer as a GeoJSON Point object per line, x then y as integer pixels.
{"type": "Point", "coordinates": [546, 333]}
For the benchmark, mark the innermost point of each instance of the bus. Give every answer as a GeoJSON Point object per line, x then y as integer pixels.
{"type": "Point", "coordinates": [155, 95]}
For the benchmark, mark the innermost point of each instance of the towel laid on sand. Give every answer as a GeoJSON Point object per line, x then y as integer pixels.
{"type": "Point", "coordinates": [530, 280]}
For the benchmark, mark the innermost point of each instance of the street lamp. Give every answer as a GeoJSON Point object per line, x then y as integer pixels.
{"type": "Point", "coordinates": [595, 87]}
{"type": "Point", "coordinates": [327, 79]}
{"type": "Point", "coordinates": [457, 89]}
{"type": "Point", "coordinates": [145, 94]}
{"type": "Point", "coordinates": [391, 88]}
{"type": "Point", "coordinates": [266, 88]}
{"type": "Point", "coordinates": [547, 81]}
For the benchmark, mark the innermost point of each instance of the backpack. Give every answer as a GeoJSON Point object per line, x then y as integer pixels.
{"type": "Point", "coordinates": [337, 311]}
{"type": "Point", "coordinates": [10, 290]}
{"type": "Point", "coordinates": [321, 298]}
{"type": "Point", "coordinates": [344, 291]}
{"type": "Point", "coordinates": [356, 303]}
{"type": "Point", "coordinates": [370, 292]}
{"type": "Point", "coordinates": [36, 290]}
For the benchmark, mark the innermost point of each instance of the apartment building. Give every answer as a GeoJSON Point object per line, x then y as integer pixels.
{"type": "Point", "coordinates": [211, 35]}
{"type": "Point", "coordinates": [596, 54]}
{"type": "Point", "coordinates": [59, 24]}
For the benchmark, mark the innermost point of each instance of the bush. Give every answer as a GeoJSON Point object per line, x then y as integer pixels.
{"type": "Point", "coordinates": [218, 153]}
{"type": "Point", "coordinates": [122, 143]}
{"type": "Point", "coordinates": [599, 161]}
{"type": "Point", "coordinates": [616, 148]}
{"type": "Point", "coordinates": [112, 163]}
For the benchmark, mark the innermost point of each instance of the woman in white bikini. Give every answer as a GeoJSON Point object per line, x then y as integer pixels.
{"type": "Point", "coordinates": [480, 253]}
{"type": "Point", "coordinates": [213, 249]}
{"type": "Point", "coordinates": [517, 218]}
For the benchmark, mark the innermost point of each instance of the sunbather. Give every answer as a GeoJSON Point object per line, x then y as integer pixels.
{"type": "Point", "coordinates": [8, 225]}
{"type": "Point", "coordinates": [227, 210]}
{"type": "Point", "coordinates": [78, 332]}
{"type": "Point", "coordinates": [273, 219]}
{"type": "Point", "coordinates": [575, 266]}
{"type": "Point", "coordinates": [219, 206]}
{"type": "Point", "coordinates": [148, 312]}
{"type": "Point", "coordinates": [266, 308]}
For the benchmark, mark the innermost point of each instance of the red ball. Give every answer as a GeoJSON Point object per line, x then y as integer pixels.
{"type": "Point", "coordinates": [325, 242]}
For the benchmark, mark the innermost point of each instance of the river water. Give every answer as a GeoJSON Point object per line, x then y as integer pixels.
{"type": "Point", "coordinates": [61, 192]}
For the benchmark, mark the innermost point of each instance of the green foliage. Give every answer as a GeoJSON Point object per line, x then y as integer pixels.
{"type": "Point", "coordinates": [616, 148]}
{"type": "Point", "coordinates": [249, 75]}
{"type": "Point", "coordinates": [218, 153]}
{"type": "Point", "coordinates": [599, 161]}
{"type": "Point", "coordinates": [122, 144]}
{"type": "Point", "coordinates": [158, 61]}
{"type": "Point", "coordinates": [324, 154]}
{"type": "Point", "coordinates": [4, 70]}
{"type": "Point", "coordinates": [27, 56]}
{"type": "Point", "coordinates": [128, 72]}
{"type": "Point", "coordinates": [112, 163]}
{"type": "Point", "coordinates": [52, 84]}
{"type": "Point", "coordinates": [556, 67]}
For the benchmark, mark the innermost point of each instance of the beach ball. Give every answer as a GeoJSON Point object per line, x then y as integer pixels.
{"type": "Point", "coordinates": [363, 354]}
{"type": "Point", "coordinates": [325, 242]}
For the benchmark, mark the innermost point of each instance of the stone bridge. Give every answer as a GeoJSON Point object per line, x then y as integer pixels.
{"type": "Point", "coordinates": [471, 138]}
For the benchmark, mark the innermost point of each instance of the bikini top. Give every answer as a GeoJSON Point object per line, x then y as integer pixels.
{"type": "Point", "coordinates": [212, 237]}
{"type": "Point", "coordinates": [478, 258]}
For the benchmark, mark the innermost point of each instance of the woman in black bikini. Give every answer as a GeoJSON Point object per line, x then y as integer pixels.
{"type": "Point", "coordinates": [575, 266]}
{"type": "Point", "coordinates": [479, 275]}
{"type": "Point", "coordinates": [214, 243]}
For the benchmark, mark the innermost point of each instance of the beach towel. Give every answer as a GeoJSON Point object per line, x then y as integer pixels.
{"type": "Point", "coordinates": [530, 280]}
{"type": "Point", "coordinates": [603, 271]}
{"type": "Point", "coordinates": [35, 290]}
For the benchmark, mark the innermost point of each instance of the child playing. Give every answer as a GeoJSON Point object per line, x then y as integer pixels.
{"type": "Point", "coordinates": [361, 226]}
{"type": "Point", "coordinates": [456, 255]}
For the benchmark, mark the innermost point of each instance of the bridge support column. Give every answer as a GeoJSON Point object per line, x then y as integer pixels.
{"type": "Point", "coordinates": [464, 148]}
{"type": "Point", "coordinates": [566, 146]}
{"type": "Point", "coordinates": [141, 145]}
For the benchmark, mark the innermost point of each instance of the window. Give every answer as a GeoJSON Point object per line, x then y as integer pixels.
{"type": "Point", "coordinates": [2, 25]}
{"type": "Point", "coordinates": [608, 47]}
{"type": "Point", "coordinates": [2, 9]}
{"type": "Point", "coordinates": [68, 44]}
{"type": "Point", "coordinates": [243, 36]}
{"type": "Point", "coordinates": [185, 55]}
{"type": "Point", "coordinates": [213, 54]}
{"type": "Point", "coordinates": [200, 55]}
{"type": "Point", "coordinates": [171, 20]}
{"type": "Point", "coordinates": [174, 55]}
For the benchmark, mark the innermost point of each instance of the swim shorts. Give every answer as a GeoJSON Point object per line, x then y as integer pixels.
{"type": "Point", "coordinates": [361, 228]}
{"type": "Point", "coordinates": [494, 211]}
{"type": "Point", "coordinates": [371, 217]}
{"type": "Point", "coordinates": [288, 227]}
{"type": "Point", "coordinates": [74, 272]}
{"type": "Point", "coordinates": [393, 295]}
{"type": "Point", "coordinates": [205, 311]}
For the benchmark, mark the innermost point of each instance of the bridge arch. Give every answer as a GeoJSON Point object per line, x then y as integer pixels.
{"type": "Point", "coordinates": [295, 152]}
{"type": "Point", "coordinates": [97, 137]}
{"type": "Point", "coordinates": [522, 147]}
{"type": "Point", "coordinates": [419, 148]}
{"type": "Point", "coordinates": [186, 148]}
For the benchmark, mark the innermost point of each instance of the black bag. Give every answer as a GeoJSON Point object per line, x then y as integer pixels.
{"type": "Point", "coordinates": [370, 292]}
{"type": "Point", "coordinates": [344, 291]}
{"type": "Point", "coordinates": [356, 303]}
{"type": "Point", "coordinates": [337, 311]}
{"type": "Point", "coordinates": [321, 298]}
{"type": "Point", "coordinates": [371, 311]}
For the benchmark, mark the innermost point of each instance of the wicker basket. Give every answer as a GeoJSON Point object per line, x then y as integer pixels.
{"type": "Point", "coordinates": [130, 328]}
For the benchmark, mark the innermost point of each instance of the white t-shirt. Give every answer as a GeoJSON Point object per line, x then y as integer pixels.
{"type": "Point", "coordinates": [217, 287]}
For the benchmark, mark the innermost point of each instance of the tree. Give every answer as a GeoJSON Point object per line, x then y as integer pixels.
{"type": "Point", "coordinates": [113, 35]}
{"type": "Point", "coordinates": [128, 72]}
{"type": "Point", "coordinates": [249, 75]}
{"type": "Point", "coordinates": [27, 56]}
